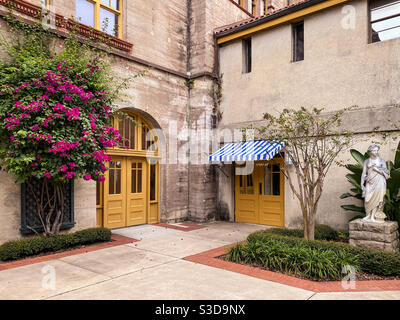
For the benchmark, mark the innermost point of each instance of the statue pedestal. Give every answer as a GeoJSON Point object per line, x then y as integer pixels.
{"type": "Point", "coordinates": [382, 236]}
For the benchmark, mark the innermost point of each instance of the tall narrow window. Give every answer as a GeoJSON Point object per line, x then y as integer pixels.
{"type": "Point", "coordinates": [247, 55]}
{"type": "Point", "coordinates": [127, 131]}
{"type": "Point", "coordinates": [298, 41]}
{"type": "Point", "coordinates": [153, 182]}
{"type": "Point", "coordinates": [114, 177]}
{"type": "Point", "coordinates": [385, 20]}
{"type": "Point", "coordinates": [137, 172]}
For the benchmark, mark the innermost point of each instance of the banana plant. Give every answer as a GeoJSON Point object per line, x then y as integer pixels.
{"type": "Point", "coordinates": [392, 198]}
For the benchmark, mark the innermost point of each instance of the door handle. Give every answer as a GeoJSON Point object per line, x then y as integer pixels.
{"type": "Point", "coordinates": [260, 188]}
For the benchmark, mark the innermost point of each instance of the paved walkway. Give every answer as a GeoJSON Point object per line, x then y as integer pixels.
{"type": "Point", "coordinates": [153, 268]}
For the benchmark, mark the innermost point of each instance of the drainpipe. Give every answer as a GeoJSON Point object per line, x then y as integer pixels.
{"type": "Point", "coordinates": [188, 113]}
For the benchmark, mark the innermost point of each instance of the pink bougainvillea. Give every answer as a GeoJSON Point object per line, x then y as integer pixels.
{"type": "Point", "coordinates": [63, 131]}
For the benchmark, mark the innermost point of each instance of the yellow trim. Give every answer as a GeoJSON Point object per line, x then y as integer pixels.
{"type": "Point", "coordinates": [107, 206]}
{"type": "Point", "coordinates": [46, 4]}
{"type": "Point", "coordinates": [253, 207]}
{"type": "Point", "coordinates": [287, 18]}
{"type": "Point", "coordinates": [254, 8]}
{"type": "Point", "coordinates": [97, 5]}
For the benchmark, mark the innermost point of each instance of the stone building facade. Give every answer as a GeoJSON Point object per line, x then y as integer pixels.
{"type": "Point", "coordinates": [341, 67]}
{"type": "Point", "coordinates": [175, 40]}
{"type": "Point", "coordinates": [187, 45]}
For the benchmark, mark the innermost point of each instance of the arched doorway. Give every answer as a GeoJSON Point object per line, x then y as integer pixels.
{"type": "Point", "coordinates": [131, 193]}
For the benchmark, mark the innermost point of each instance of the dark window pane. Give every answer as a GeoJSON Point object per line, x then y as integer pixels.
{"type": "Point", "coordinates": [276, 168]}
{"type": "Point", "coordinates": [139, 179]}
{"type": "Point", "coordinates": [111, 181]}
{"type": "Point", "coordinates": [153, 182]}
{"type": "Point", "coordinates": [121, 127]}
{"type": "Point", "coordinates": [250, 180]}
{"type": "Point", "coordinates": [133, 178]}
{"type": "Point", "coordinates": [276, 184]}
{"type": "Point", "coordinates": [247, 55]}
{"type": "Point", "coordinates": [98, 194]}
{"type": "Point", "coordinates": [126, 125]}
{"type": "Point", "coordinates": [118, 182]}
{"type": "Point", "coordinates": [298, 41]}
{"type": "Point", "coordinates": [132, 135]}
{"type": "Point", "coordinates": [144, 137]}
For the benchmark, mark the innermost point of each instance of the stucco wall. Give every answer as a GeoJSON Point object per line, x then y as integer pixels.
{"type": "Point", "coordinates": [340, 69]}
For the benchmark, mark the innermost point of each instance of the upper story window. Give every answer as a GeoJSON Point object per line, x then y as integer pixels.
{"type": "Point", "coordinates": [137, 134]}
{"type": "Point", "coordinates": [247, 55]}
{"type": "Point", "coordinates": [385, 20]}
{"type": "Point", "coordinates": [298, 41]}
{"type": "Point", "coordinates": [103, 15]}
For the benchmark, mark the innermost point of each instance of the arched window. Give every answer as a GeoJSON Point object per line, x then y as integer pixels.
{"type": "Point", "coordinates": [135, 131]}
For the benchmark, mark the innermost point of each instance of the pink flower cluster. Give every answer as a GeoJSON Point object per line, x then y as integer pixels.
{"type": "Point", "coordinates": [62, 147]}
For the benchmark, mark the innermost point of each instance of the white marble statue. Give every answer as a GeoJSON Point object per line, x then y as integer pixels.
{"type": "Point", "coordinates": [373, 183]}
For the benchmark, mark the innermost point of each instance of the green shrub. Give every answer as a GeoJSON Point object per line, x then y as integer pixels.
{"type": "Point", "coordinates": [369, 260]}
{"type": "Point", "coordinates": [14, 250]}
{"type": "Point", "coordinates": [276, 254]}
{"type": "Point", "coordinates": [322, 232]}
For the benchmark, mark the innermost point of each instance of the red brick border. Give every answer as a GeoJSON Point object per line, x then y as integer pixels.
{"type": "Point", "coordinates": [209, 258]}
{"type": "Point", "coordinates": [116, 240]}
{"type": "Point", "coordinates": [188, 226]}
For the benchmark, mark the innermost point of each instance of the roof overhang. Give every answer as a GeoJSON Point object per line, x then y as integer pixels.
{"type": "Point", "coordinates": [247, 151]}
{"type": "Point", "coordinates": [289, 14]}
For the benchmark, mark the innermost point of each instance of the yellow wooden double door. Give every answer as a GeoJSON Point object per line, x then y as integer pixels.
{"type": "Point", "coordinates": [259, 196]}
{"type": "Point", "coordinates": [125, 193]}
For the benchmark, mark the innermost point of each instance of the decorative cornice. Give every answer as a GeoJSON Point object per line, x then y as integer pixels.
{"type": "Point", "coordinates": [68, 24]}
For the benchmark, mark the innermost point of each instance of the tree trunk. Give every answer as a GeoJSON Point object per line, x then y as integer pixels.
{"type": "Point", "coordinates": [50, 201]}
{"type": "Point", "coordinates": [311, 229]}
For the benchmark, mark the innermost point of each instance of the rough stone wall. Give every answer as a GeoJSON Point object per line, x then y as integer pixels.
{"type": "Point", "coordinates": [159, 34]}
{"type": "Point", "coordinates": [340, 69]}
{"type": "Point", "coordinates": [277, 4]}
{"type": "Point", "coordinates": [204, 16]}
{"type": "Point", "coordinates": [158, 30]}
{"type": "Point", "coordinates": [163, 97]}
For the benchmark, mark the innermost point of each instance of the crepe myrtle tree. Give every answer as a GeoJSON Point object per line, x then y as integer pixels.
{"type": "Point", "coordinates": [312, 142]}
{"type": "Point", "coordinates": [55, 117]}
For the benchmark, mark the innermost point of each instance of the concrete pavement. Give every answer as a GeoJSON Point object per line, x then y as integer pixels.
{"type": "Point", "coordinates": [153, 269]}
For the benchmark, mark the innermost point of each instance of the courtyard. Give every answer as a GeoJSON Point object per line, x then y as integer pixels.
{"type": "Point", "coordinates": [155, 268]}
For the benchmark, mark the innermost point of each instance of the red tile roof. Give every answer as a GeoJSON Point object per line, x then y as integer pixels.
{"type": "Point", "coordinates": [250, 20]}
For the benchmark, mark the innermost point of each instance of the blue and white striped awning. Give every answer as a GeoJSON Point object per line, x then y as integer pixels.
{"type": "Point", "coordinates": [247, 151]}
